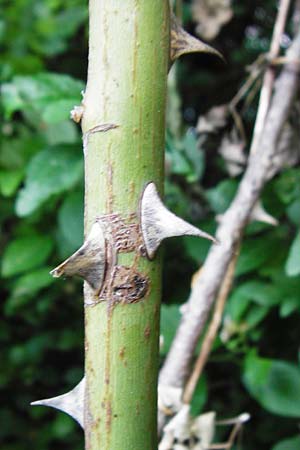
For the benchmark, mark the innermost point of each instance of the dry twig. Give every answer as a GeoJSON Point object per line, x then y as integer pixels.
{"type": "Point", "coordinates": [269, 77]}
{"type": "Point", "coordinates": [177, 363]}
{"type": "Point", "coordinates": [212, 330]}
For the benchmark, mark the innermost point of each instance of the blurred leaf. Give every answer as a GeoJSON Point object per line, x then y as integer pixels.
{"type": "Point", "coordinates": [175, 199]}
{"type": "Point", "coordinates": [15, 152]}
{"type": "Point", "coordinates": [11, 99]}
{"type": "Point", "coordinates": [31, 283]}
{"type": "Point", "coordinates": [25, 253]}
{"type": "Point", "coordinates": [58, 110]}
{"type": "Point", "coordinates": [265, 294]}
{"type": "Point", "coordinates": [9, 181]}
{"type": "Point", "coordinates": [26, 287]}
{"type": "Point", "coordinates": [237, 305]}
{"type": "Point", "coordinates": [200, 396]}
{"type": "Point", "coordinates": [292, 267]}
{"type": "Point", "coordinates": [63, 425]}
{"type": "Point", "coordinates": [288, 289]}
{"type": "Point", "coordinates": [180, 165]}
{"type": "Point", "coordinates": [62, 133]}
{"type": "Point", "coordinates": [50, 172]}
{"type": "Point", "coordinates": [293, 212]}
{"type": "Point", "coordinates": [254, 253]}
{"type": "Point", "coordinates": [288, 444]}
{"type": "Point", "coordinates": [50, 94]}
{"type": "Point", "coordinates": [287, 185]}
{"type": "Point", "coordinates": [289, 305]}
{"type": "Point", "coordinates": [70, 220]}
{"type": "Point", "coordinates": [68, 339]}
{"type": "Point", "coordinates": [255, 315]}
{"type": "Point", "coordinates": [274, 266]}
{"type": "Point", "coordinates": [32, 348]}
{"type": "Point", "coordinates": [184, 156]}
{"type": "Point", "coordinates": [170, 317]}
{"type": "Point", "coordinates": [221, 196]}
{"type": "Point", "coordinates": [274, 384]}
{"type": "Point", "coordinates": [194, 154]}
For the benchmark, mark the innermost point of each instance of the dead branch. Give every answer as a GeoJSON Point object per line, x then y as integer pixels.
{"type": "Point", "coordinates": [269, 76]}
{"type": "Point", "coordinates": [177, 363]}
{"type": "Point", "coordinates": [212, 329]}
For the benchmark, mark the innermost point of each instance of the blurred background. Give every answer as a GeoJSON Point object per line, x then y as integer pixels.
{"type": "Point", "coordinates": [254, 365]}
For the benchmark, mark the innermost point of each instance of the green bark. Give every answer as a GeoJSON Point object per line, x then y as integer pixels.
{"type": "Point", "coordinates": [128, 63]}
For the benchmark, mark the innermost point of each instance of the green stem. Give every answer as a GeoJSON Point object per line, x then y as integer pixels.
{"type": "Point", "coordinates": [128, 62]}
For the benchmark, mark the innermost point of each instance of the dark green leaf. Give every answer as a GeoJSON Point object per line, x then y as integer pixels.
{"type": "Point", "coordinates": [58, 110]}
{"type": "Point", "coordinates": [63, 426]}
{"type": "Point", "coordinates": [26, 287]}
{"type": "Point", "coordinates": [62, 133]}
{"type": "Point", "coordinates": [292, 267]}
{"type": "Point", "coordinates": [25, 253]}
{"type": "Point", "coordinates": [289, 305]}
{"type": "Point", "coordinates": [255, 315]}
{"type": "Point", "coordinates": [31, 283]}
{"type": "Point", "coordinates": [274, 384]}
{"type": "Point", "coordinates": [70, 219]}
{"type": "Point", "coordinates": [195, 155]}
{"type": "Point", "coordinates": [237, 305]}
{"type": "Point", "coordinates": [293, 212]}
{"type": "Point", "coordinates": [199, 397]}
{"type": "Point", "coordinates": [50, 172]}
{"type": "Point", "coordinates": [292, 443]}
{"type": "Point", "coordinates": [11, 99]}
{"type": "Point", "coordinates": [221, 196]}
{"type": "Point", "coordinates": [265, 294]}
{"type": "Point", "coordinates": [254, 254]}
{"type": "Point", "coordinates": [287, 185]}
{"type": "Point", "coordinates": [50, 94]}
{"type": "Point", "coordinates": [170, 316]}
{"type": "Point", "coordinates": [9, 181]}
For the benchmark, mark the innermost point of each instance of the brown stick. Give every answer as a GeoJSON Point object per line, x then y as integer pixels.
{"type": "Point", "coordinates": [212, 330]}
{"type": "Point", "coordinates": [269, 77]}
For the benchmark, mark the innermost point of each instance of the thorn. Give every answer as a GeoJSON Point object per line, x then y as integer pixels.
{"type": "Point", "coordinates": [88, 262]}
{"type": "Point", "coordinates": [76, 113]}
{"type": "Point", "coordinates": [158, 223]}
{"type": "Point", "coordinates": [242, 418]}
{"type": "Point", "coordinates": [71, 403]}
{"type": "Point", "coordinates": [260, 214]}
{"type": "Point", "coordinates": [183, 42]}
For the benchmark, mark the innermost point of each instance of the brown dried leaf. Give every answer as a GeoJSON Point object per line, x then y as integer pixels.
{"type": "Point", "coordinates": [210, 16]}
{"type": "Point", "coordinates": [184, 432]}
{"type": "Point", "coordinates": [213, 120]}
{"type": "Point", "coordinates": [232, 150]}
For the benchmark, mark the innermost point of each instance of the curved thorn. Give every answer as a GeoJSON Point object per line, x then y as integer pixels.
{"type": "Point", "coordinates": [242, 418]}
{"type": "Point", "coordinates": [88, 262]}
{"type": "Point", "coordinates": [71, 403]}
{"type": "Point", "coordinates": [183, 42]}
{"type": "Point", "coordinates": [158, 223]}
{"type": "Point", "coordinates": [261, 215]}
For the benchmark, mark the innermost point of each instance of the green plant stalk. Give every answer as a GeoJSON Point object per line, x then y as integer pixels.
{"type": "Point", "coordinates": [127, 74]}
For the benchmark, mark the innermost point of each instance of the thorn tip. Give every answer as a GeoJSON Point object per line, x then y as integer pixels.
{"type": "Point", "coordinates": [88, 262]}
{"type": "Point", "coordinates": [158, 223]}
{"type": "Point", "coordinates": [71, 403]}
{"type": "Point", "coordinates": [183, 42]}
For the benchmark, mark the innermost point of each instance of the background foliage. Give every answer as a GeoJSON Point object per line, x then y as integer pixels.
{"type": "Point", "coordinates": [255, 363]}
